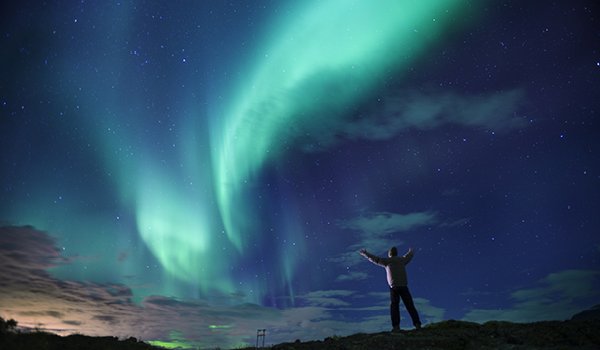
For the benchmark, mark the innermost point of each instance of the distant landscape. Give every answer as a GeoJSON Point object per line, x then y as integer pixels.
{"type": "Point", "coordinates": [448, 335]}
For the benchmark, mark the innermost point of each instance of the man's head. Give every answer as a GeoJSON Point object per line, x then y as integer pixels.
{"type": "Point", "coordinates": [393, 252]}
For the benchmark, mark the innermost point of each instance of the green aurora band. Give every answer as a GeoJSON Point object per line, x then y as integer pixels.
{"type": "Point", "coordinates": [331, 55]}
{"type": "Point", "coordinates": [327, 56]}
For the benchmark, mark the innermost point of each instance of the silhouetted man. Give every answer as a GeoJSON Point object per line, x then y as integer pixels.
{"type": "Point", "coordinates": [396, 277]}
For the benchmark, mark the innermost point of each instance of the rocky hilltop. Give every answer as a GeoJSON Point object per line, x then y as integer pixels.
{"type": "Point", "coordinates": [591, 314]}
{"type": "Point", "coordinates": [460, 335]}
{"type": "Point", "coordinates": [447, 335]}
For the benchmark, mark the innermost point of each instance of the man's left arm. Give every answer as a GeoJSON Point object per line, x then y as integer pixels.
{"type": "Point", "coordinates": [373, 258]}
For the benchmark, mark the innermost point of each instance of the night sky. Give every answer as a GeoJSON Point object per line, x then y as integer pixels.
{"type": "Point", "coordinates": [187, 172]}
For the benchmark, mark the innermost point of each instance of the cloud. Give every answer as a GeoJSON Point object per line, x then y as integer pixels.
{"type": "Point", "coordinates": [327, 298]}
{"type": "Point", "coordinates": [455, 223]}
{"type": "Point", "coordinates": [122, 256]}
{"type": "Point", "coordinates": [378, 304]}
{"type": "Point", "coordinates": [353, 276]}
{"type": "Point", "coordinates": [327, 293]}
{"type": "Point", "coordinates": [35, 298]}
{"type": "Point", "coordinates": [54, 314]}
{"type": "Point", "coordinates": [450, 192]}
{"type": "Point", "coordinates": [27, 249]}
{"type": "Point", "coordinates": [383, 223]}
{"type": "Point", "coordinates": [557, 298]}
{"type": "Point", "coordinates": [376, 233]}
{"type": "Point", "coordinates": [94, 258]}
{"type": "Point", "coordinates": [426, 109]}
{"type": "Point", "coordinates": [427, 312]}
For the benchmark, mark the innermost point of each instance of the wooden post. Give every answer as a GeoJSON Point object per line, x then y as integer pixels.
{"type": "Point", "coordinates": [260, 333]}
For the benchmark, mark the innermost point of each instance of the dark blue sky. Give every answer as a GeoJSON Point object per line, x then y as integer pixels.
{"type": "Point", "coordinates": [190, 172]}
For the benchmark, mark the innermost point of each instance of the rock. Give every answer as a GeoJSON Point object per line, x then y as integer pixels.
{"type": "Point", "coordinates": [591, 314]}
{"type": "Point", "coordinates": [459, 335]}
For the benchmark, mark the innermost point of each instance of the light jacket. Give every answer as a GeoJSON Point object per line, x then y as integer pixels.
{"type": "Point", "coordinates": [394, 267]}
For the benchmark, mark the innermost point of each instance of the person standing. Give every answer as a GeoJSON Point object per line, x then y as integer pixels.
{"type": "Point", "coordinates": [397, 280]}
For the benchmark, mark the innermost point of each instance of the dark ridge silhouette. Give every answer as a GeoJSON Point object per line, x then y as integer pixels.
{"type": "Point", "coordinates": [13, 339]}
{"type": "Point", "coordinates": [447, 335]}
{"type": "Point", "coordinates": [592, 314]}
{"type": "Point", "coordinates": [460, 335]}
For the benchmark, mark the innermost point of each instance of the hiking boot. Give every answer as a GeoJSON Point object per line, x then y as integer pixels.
{"type": "Point", "coordinates": [418, 326]}
{"type": "Point", "coordinates": [396, 329]}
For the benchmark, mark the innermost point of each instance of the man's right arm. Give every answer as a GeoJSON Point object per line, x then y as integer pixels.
{"type": "Point", "coordinates": [373, 258]}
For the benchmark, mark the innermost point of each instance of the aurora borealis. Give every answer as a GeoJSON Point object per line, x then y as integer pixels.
{"type": "Point", "coordinates": [188, 172]}
{"type": "Point", "coordinates": [321, 64]}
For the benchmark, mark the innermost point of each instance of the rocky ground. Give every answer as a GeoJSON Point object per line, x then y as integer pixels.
{"type": "Point", "coordinates": [50, 341]}
{"type": "Point", "coordinates": [459, 335]}
{"type": "Point", "coordinates": [448, 335]}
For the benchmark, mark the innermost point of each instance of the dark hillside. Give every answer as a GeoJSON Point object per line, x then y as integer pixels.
{"type": "Point", "coordinates": [459, 335]}
{"type": "Point", "coordinates": [447, 335]}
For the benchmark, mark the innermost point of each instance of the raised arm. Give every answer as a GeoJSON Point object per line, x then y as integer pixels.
{"type": "Point", "coordinates": [364, 253]}
{"type": "Point", "coordinates": [373, 258]}
{"type": "Point", "coordinates": [409, 255]}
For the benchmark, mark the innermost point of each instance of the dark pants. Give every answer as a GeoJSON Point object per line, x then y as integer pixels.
{"type": "Point", "coordinates": [402, 292]}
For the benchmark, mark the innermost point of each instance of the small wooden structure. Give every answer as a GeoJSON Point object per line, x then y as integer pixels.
{"type": "Point", "coordinates": [261, 334]}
